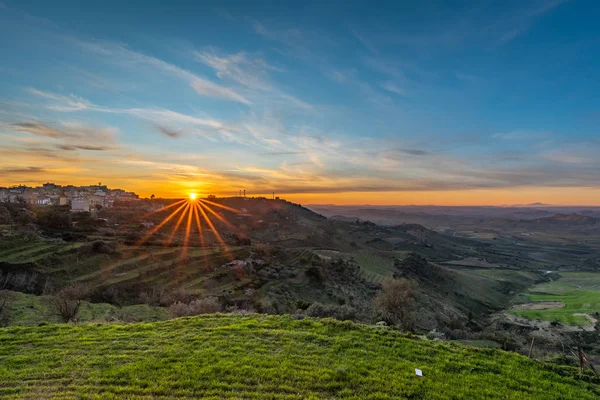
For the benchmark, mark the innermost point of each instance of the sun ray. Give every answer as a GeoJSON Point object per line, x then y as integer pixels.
{"type": "Point", "coordinates": [221, 206]}
{"type": "Point", "coordinates": [157, 227]}
{"type": "Point", "coordinates": [220, 218]}
{"type": "Point", "coordinates": [213, 229]}
{"type": "Point", "coordinates": [174, 231]}
{"type": "Point", "coordinates": [202, 241]}
{"type": "Point", "coordinates": [186, 239]}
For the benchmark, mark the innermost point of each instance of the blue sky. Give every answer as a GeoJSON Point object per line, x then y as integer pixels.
{"type": "Point", "coordinates": [489, 103]}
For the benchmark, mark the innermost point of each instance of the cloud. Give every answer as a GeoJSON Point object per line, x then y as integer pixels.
{"type": "Point", "coordinates": [168, 132]}
{"type": "Point", "coordinates": [74, 135]}
{"type": "Point", "coordinates": [38, 129]}
{"type": "Point", "coordinates": [393, 88]}
{"type": "Point", "coordinates": [124, 56]}
{"type": "Point", "coordinates": [240, 67]}
{"type": "Point", "coordinates": [69, 147]}
{"type": "Point", "coordinates": [67, 103]}
{"type": "Point", "coordinates": [521, 135]}
{"type": "Point", "coordinates": [365, 42]}
{"type": "Point", "coordinates": [249, 71]}
{"type": "Point", "coordinates": [23, 170]}
{"type": "Point", "coordinates": [523, 21]}
{"type": "Point", "coordinates": [283, 153]}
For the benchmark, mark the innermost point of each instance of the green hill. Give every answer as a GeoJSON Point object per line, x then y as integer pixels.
{"type": "Point", "coordinates": [265, 357]}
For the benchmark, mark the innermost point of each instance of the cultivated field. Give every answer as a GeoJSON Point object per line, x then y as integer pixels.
{"type": "Point", "coordinates": [578, 291]}
{"type": "Point", "coordinates": [266, 357]}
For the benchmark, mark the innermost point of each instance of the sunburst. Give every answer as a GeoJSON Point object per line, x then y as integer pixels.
{"type": "Point", "coordinates": [189, 210]}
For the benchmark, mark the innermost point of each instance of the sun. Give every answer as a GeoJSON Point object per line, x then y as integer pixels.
{"type": "Point", "coordinates": [193, 196]}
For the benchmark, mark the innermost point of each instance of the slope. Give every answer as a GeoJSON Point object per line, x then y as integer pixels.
{"type": "Point", "coordinates": [256, 357]}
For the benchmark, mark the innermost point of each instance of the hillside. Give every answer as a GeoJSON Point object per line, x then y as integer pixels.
{"type": "Point", "coordinates": [258, 356]}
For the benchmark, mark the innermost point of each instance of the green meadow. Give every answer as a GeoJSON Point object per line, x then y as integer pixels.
{"type": "Point", "coordinates": [578, 291]}
{"type": "Point", "coordinates": [266, 357]}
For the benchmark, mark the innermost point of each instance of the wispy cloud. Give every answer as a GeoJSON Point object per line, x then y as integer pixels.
{"type": "Point", "coordinates": [122, 55]}
{"type": "Point", "coordinates": [522, 135]}
{"type": "Point", "coordinates": [23, 170]}
{"type": "Point", "coordinates": [365, 42]}
{"type": "Point", "coordinates": [240, 67]}
{"type": "Point", "coordinates": [521, 22]}
{"type": "Point", "coordinates": [64, 103]}
{"type": "Point", "coordinates": [393, 88]}
{"type": "Point", "coordinates": [74, 135]}
{"type": "Point", "coordinates": [249, 71]}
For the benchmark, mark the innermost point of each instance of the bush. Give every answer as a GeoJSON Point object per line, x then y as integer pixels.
{"type": "Point", "coordinates": [4, 308]}
{"type": "Point", "coordinates": [5, 218]}
{"type": "Point", "coordinates": [316, 273]}
{"type": "Point", "coordinates": [65, 303]}
{"type": "Point", "coordinates": [102, 247]}
{"type": "Point", "coordinates": [207, 305]}
{"type": "Point", "coordinates": [396, 303]}
{"type": "Point", "coordinates": [342, 313]}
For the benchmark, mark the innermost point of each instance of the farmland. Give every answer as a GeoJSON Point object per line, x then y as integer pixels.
{"type": "Point", "coordinates": [259, 356]}
{"type": "Point", "coordinates": [579, 292]}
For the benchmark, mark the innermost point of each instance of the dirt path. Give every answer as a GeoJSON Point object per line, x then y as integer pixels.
{"type": "Point", "coordinates": [540, 305]}
{"type": "Point", "coordinates": [590, 318]}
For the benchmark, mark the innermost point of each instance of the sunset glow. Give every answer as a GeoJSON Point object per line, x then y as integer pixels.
{"type": "Point", "coordinates": [293, 107]}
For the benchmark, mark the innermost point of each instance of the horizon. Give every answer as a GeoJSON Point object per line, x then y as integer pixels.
{"type": "Point", "coordinates": [452, 105]}
{"type": "Point", "coordinates": [294, 199]}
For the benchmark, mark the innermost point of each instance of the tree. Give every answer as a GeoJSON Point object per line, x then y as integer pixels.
{"type": "Point", "coordinates": [5, 218]}
{"type": "Point", "coordinates": [55, 219]}
{"type": "Point", "coordinates": [65, 303]}
{"type": "Point", "coordinates": [152, 196]}
{"type": "Point", "coordinates": [396, 303]}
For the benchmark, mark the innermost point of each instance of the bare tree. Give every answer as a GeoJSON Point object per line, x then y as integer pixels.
{"type": "Point", "coordinates": [66, 303]}
{"type": "Point", "coordinates": [396, 303]}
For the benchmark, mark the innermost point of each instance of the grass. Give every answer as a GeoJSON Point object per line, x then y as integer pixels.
{"type": "Point", "coordinates": [265, 357]}
{"type": "Point", "coordinates": [26, 309]}
{"type": "Point", "coordinates": [505, 275]}
{"type": "Point", "coordinates": [579, 291]}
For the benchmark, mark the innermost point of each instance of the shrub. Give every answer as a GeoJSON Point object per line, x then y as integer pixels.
{"type": "Point", "coordinates": [4, 308]}
{"type": "Point", "coordinates": [65, 303]}
{"type": "Point", "coordinates": [396, 302]}
{"type": "Point", "coordinates": [207, 305]}
{"type": "Point", "coordinates": [316, 273]}
{"type": "Point", "coordinates": [102, 247]}
{"type": "Point", "coordinates": [342, 313]}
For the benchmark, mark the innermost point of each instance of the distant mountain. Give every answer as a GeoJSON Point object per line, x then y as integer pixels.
{"type": "Point", "coordinates": [537, 204]}
{"type": "Point", "coordinates": [570, 219]}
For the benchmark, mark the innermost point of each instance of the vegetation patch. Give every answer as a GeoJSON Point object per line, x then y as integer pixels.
{"type": "Point", "coordinates": [265, 357]}
{"type": "Point", "coordinates": [578, 291]}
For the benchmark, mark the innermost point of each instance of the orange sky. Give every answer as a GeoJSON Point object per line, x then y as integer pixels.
{"type": "Point", "coordinates": [175, 189]}
{"type": "Point", "coordinates": [555, 196]}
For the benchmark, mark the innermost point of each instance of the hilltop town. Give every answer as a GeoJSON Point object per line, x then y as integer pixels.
{"type": "Point", "coordinates": [79, 198]}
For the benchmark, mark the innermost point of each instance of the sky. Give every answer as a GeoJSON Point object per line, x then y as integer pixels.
{"type": "Point", "coordinates": [337, 102]}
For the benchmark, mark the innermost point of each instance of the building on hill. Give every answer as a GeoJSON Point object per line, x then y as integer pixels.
{"type": "Point", "coordinates": [80, 204]}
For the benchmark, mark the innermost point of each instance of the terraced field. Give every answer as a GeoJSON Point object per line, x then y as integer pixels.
{"type": "Point", "coordinates": [266, 357]}
{"type": "Point", "coordinates": [24, 252]}
{"type": "Point", "coordinates": [578, 291]}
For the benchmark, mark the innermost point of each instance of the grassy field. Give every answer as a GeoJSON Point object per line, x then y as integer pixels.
{"type": "Point", "coordinates": [26, 309]}
{"type": "Point", "coordinates": [265, 357]}
{"type": "Point", "coordinates": [578, 291]}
